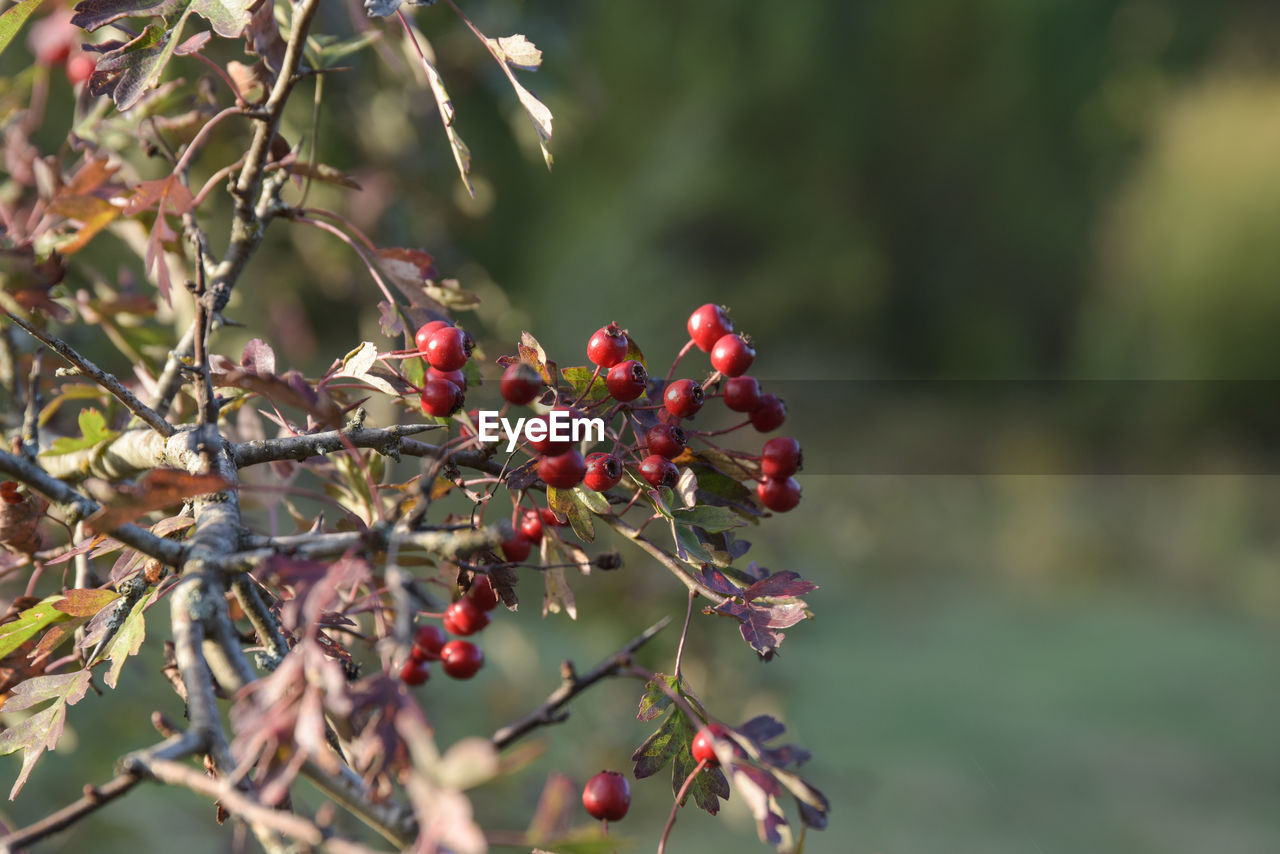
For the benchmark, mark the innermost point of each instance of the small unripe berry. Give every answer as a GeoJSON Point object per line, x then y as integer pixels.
{"type": "Point", "coordinates": [449, 348]}
{"type": "Point", "coordinates": [659, 471]}
{"type": "Point", "coordinates": [707, 325]}
{"type": "Point", "coordinates": [482, 593]}
{"type": "Point", "coordinates": [427, 641]}
{"type": "Point", "coordinates": [603, 472]}
{"type": "Point", "coordinates": [608, 346]}
{"type": "Point", "coordinates": [425, 331]}
{"type": "Point", "coordinates": [626, 380]}
{"type": "Point", "coordinates": [779, 494]}
{"type": "Point", "coordinates": [769, 413]}
{"type": "Point", "coordinates": [520, 383]}
{"type": "Point", "coordinates": [465, 617]}
{"type": "Point", "coordinates": [461, 659]}
{"type": "Point", "coordinates": [415, 672]}
{"type": "Point", "coordinates": [665, 440]}
{"type": "Point", "coordinates": [607, 796]}
{"type": "Point", "coordinates": [781, 457]}
{"type": "Point", "coordinates": [440, 398]}
{"type": "Point", "coordinates": [742, 394]}
{"type": "Point", "coordinates": [732, 355]}
{"type": "Point", "coordinates": [683, 398]}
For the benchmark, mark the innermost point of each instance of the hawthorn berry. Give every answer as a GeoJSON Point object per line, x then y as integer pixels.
{"type": "Point", "coordinates": [665, 440]}
{"type": "Point", "coordinates": [659, 471]}
{"type": "Point", "coordinates": [707, 325]}
{"type": "Point", "coordinates": [626, 380]}
{"type": "Point", "coordinates": [732, 355]}
{"type": "Point", "coordinates": [448, 348]}
{"type": "Point", "coordinates": [483, 594]}
{"type": "Point", "coordinates": [683, 398]}
{"type": "Point", "coordinates": [549, 517]}
{"type": "Point", "coordinates": [415, 672]}
{"type": "Point", "coordinates": [563, 471]}
{"type": "Point", "coordinates": [607, 796]}
{"type": "Point", "coordinates": [516, 547]}
{"type": "Point", "coordinates": [455, 377]}
{"type": "Point", "coordinates": [742, 394]}
{"type": "Point", "coordinates": [425, 331]}
{"type": "Point", "coordinates": [80, 68]}
{"type": "Point", "coordinates": [440, 398]}
{"type": "Point", "coordinates": [465, 617]}
{"type": "Point", "coordinates": [427, 642]}
{"type": "Point", "coordinates": [769, 413]}
{"type": "Point", "coordinates": [603, 471]}
{"type": "Point", "coordinates": [607, 346]}
{"type": "Point", "coordinates": [531, 526]}
{"type": "Point", "coordinates": [781, 457]}
{"type": "Point", "coordinates": [546, 445]}
{"type": "Point", "coordinates": [703, 747]}
{"type": "Point", "coordinates": [461, 659]}
{"type": "Point", "coordinates": [520, 383]}
{"type": "Point", "coordinates": [779, 494]}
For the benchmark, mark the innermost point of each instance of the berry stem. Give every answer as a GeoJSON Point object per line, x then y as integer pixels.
{"type": "Point", "coordinates": [684, 633]}
{"type": "Point", "coordinates": [680, 796]}
{"type": "Point", "coordinates": [671, 372]}
{"type": "Point", "coordinates": [701, 433]}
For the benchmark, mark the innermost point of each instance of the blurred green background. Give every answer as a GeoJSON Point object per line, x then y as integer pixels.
{"type": "Point", "coordinates": [1039, 662]}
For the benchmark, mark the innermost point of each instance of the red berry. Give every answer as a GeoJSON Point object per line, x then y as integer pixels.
{"type": "Point", "coordinates": [415, 672]}
{"type": "Point", "coordinates": [741, 394]}
{"type": "Point", "coordinates": [549, 517]}
{"type": "Point", "coordinates": [732, 355]}
{"type": "Point", "coordinates": [626, 380]}
{"type": "Point", "coordinates": [465, 617]}
{"type": "Point", "coordinates": [603, 472]}
{"type": "Point", "coordinates": [455, 377]}
{"type": "Point", "coordinates": [703, 747]}
{"type": "Point", "coordinates": [769, 413]}
{"type": "Point", "coordinates": [779, 494]}
{"type": "Point", "coordinates": [707, 325]}
{"type": "Point", "coordinates": [531, 526]}
{"type": "Point", "coordinates": [425, 331]}
{"type": "Point", "coordinates": [516, 547]}
{"type": "Point", "coordinates": [427, 641]}
{"type": "Point", "coordinates": [560, 424]}
{"type": "Point", "coordinates": [563, 471]}
{"type": "Point", "coordinates": [483, 594]}
{"type": "Point", "coordinates": [520, 383]}
{"type": "Point", "coordinates": [9, 492]}
{"type": "Point", "coordinates": [448, 348]}
{"type": "Point", "coordinates": [665, 440]}
{"type": "Point", "coordinates": [461, 659]}
{"type": "Point", "coordinates": [683, 398]}
{"type": "Point", "coordinates": [608, 346]}
{"type": "Point", "coordinates": [440, 398]}
{"type": "Point", "coordinates": [781, 457]}
{"type": "Point", "coordinates": [659, 471]}
{"type": "Point", "coordinates": [80, 68]}
{"type": "Point", "coordinates": [607, 796]}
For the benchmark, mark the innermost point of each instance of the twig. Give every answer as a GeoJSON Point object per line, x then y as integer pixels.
{"type": "Point", "coordinates": [684, 634]}
{"type": "Point", "coordinates": [95, 797]}
{"type": "Point", "coordinates": [679, 571]}
{"type": "Point", "coordinates": [553, 710]}
{"type": "Point", "coordinates": [393, 821]}
{"type": "Point", "coordinates": [31, 420]}
{"type": "Point", "coordinates": [675, 807]}
{"type": "Point", "coordinates": [447, 544]}
{"type": "Point", "coordinates": [108, 381]}
{"type": "Point", "coordinates": [386, 440]}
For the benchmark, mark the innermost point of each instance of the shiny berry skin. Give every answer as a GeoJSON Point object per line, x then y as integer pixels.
{"type": "Point", "coordinates": [520, 383]}
{"type": "Point", "coordinates": [465, 617]}
{"type": "Point", "coordinates": [482, 593]}
{"type": "Point", "coordinates": [549, 517]}
{"type": "Point", "coordinates": [607, 796]}
{"type": "Point", "coordinates": [563, 471]}
{"type": "Point", "coordinates": [707, 325]}
{"type": "Point", "coordinates": [449, 348]}
{"type": "Point", "coordinates": [607, 347]}
{"type": "Point", "coordinates": [769, 413]}
{"type": "Point", "coordinates": [626, 380]}
{"type": "Point", "coordinates": [779, 494]}
{"type": "Point", "coordinates": [781, 457]}
{"type": "Point", "coordinates": [425, 331]}
{"type": "Point", "coordinates": [603, 472]}
{"type": "Point", "coordinates": [665, 440]}
{"type": "Point", "coordinates": [80, 68]}
{"type": "Point", "coordinates": [683, 398]}
{"type": "Point", "coordinates": [742, 394]}
{"type": "Point", "coordinates": [440, 398]}
{"type": "Point", "coordinates": [703, 747]}
{"type": "Point", "coordinates": [461, 659]}
{"type": "Point", "coordinates": [516, 547]}
{"type": "Point", "coordinates": [732, 355]}
{"type": "Point", "coordinates": [659, 471]}
{"type": "Point", "coordinates": [427, 641]}
{"type": "Point", "coordinates": [455, 377]}
{"type": "Point", "coordinates": [546, 445]}
{"type": "Point", "coordinates": [531, 526]}
{"type": "Point", "coordinates": [415, 672]}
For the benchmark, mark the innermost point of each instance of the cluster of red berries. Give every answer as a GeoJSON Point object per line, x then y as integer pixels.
{"type": "Point", "coordinates": [447, 349]}
{"type": "Point", "coordinates": [458, 658]}
{"type": "Point", "coordinates": [528, 533]}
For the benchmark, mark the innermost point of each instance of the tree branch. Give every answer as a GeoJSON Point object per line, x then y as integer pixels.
{"type": "Point", "coordinates": [555, 710]}
{"type": "Point", "coordinates": [447, 544]}
{"type": "Point", "coordinates": [386, 440]}
{"type": "Point", "coordinates": [661, 556]}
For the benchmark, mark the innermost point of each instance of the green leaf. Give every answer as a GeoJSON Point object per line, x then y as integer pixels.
{"type": "Point", "coordinates": [331, 51]}
{"type": "Point", "coordinates": [692, 549]}
{"type": "Point", "coordinates": [42, 730]}
{"type": "Point", "coordinates": [580, 378]}
{"type": "Point", "coordinates": [711, 519]}
{"type": "Point", "coordinates": [13, 19]}
{"type": "Point", "coordinates": [566, 503]}
{"type": "Point", "coordinates": [93, 431]}
{"type": "Point", "coordinates": [30, 623]}
{"type": "Point", "coordinates": [128, 71]}
{"type": "Point", "coordinates": [655, 700]}
{"type": "Point", "coordinates": [592, 500]}
{"type": "Point", "coordinates": [128, 640]}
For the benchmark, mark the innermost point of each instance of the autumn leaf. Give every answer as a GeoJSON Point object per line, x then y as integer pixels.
{"type": "Point", "coordinates": [156, 489]}
{"type": "Point", "coordinates": [672, 743]}
{"type": "Point", "coordinates": [12, 20]}
{"type": "Point", "coordinates": [43, 729]}
{"type": "Point", "coordinates": [30, 623]}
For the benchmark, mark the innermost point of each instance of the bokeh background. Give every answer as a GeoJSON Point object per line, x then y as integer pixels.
{"type": "Point", "coordinates": [1032, 646]}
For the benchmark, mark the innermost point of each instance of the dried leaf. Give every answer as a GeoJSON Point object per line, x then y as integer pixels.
{"type": "Point", "coordinates": [517, 51]}
{"type": "Point", "coordinates": [42, 730]}
{"type": "Point", "coordinates": [156, 489]}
